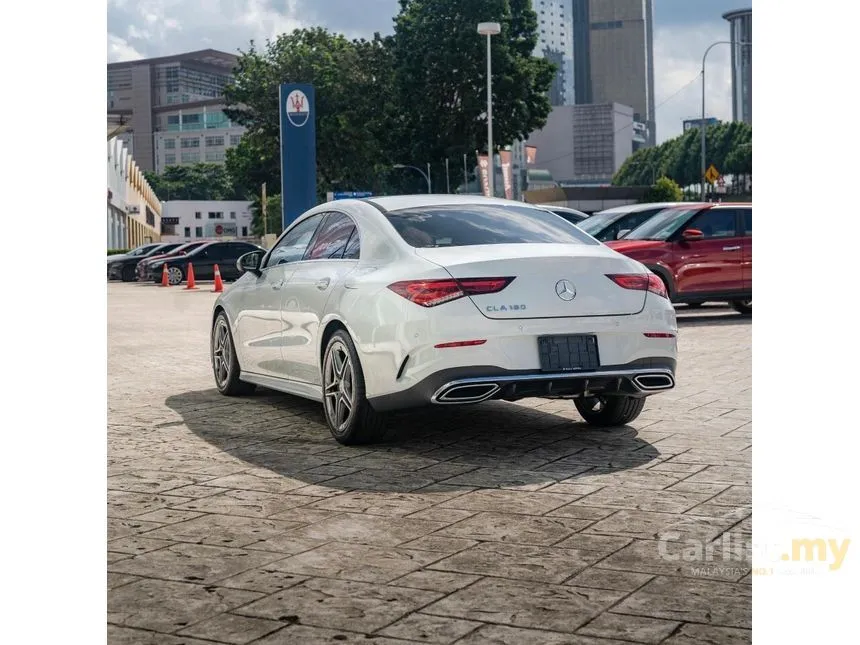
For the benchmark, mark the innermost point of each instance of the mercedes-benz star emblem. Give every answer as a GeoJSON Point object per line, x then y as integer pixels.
{"type": "Point", "coordinates": [565, 290]}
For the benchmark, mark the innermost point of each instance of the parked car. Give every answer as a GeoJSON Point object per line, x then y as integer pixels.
{"type": "Point", "coordinates": [138, 251]}
{"type": "Point", "coordinates": [702, 252]}
{"type": "Point", "coordinates": [143, 269]}
{"type": "Point", "coordinates": [203, 259]}
{"type": "Point", "coordinates": [614, 223]}
{"type": "Point", "coordinates": [394, 302]}
{"type": "Point", "coordinates": [570, 214]}
{"type": "Point", "coordinates": [123, 267]}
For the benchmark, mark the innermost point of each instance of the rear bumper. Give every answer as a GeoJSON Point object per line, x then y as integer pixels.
{"type": "Point", "coordinates": [462, 385]}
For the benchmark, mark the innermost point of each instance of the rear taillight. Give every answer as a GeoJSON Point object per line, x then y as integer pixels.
{"type": "Point", "coordinates": [429, 293]}
{"type": "Point", "coordinates": [640, 282]}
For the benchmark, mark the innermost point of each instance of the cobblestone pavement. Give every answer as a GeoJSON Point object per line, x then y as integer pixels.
{"type": "Point", "coordinates": [242, 521]}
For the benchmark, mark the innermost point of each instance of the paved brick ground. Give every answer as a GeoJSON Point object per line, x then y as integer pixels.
{"type": "Point", "coordinates": [241, 520]}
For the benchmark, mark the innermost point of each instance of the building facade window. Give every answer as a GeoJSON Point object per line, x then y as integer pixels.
{"type": "Point", "coordinates": [173, 124]}
{"type": "Point", "coordinates": [244, 231]}
{"type": "Point", "coordinates": [232, 214]}
{"type": "Point", "coordinates": [235, 139]}
{"type": "Point", "coordinates": [190, 157]}
{"type": "Point", "coordinates": [214, 140]}
{"type": "Point", "coordinates": [170, 144]}
{"type": "Point", "coordinates": [190, 142]}
{"type": "Point", "coordinates": [215, 155]}
{"type": "Point", "coordinates": [187, 231]}
{"type": "Point", "coordinates": [198, 231]}
{"type": "Point", "coordinates": [192, 121]}
{"type": "Point", "coordinates": [216, 215]}
{"type": "Point", "coordinates": [169, 159]}
{"type": "Point", "coordinates": [198, 215]}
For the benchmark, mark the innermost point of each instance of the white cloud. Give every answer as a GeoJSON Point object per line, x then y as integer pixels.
{"type": "Point", "coordinates": [119, 50]}
{"type": "Point", "coordinates": [678, 55]}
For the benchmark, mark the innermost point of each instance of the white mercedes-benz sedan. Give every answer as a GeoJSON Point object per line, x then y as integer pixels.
{"type": "Point", "coordinates": [385, 303]}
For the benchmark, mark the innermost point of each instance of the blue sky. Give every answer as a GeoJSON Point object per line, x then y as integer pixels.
{"type": "Point", "coordinates": [683, 29]}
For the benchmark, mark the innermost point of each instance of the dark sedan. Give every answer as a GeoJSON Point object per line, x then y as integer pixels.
{"type": "Point", "coordinates": [203, 259]}
{"type": "Point", "coordinates": [123, 267]}
{"type": "Point", "coordinates": [144, 267]}
{"type": "Point", "coordinates": [570, 214]}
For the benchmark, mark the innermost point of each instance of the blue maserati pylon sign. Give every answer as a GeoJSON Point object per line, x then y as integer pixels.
{"type": "Point", "coordinates": [298, 150]}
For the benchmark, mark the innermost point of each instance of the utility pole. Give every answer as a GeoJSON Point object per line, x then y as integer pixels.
{"type": "Point", "coordinates": [447, 177]}
{"type": "Point", "coordinates": [263, 210]}
{"type": "Point", "coordinates": [465, 176]}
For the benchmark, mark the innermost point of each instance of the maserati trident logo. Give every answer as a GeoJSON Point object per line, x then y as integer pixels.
{"type": "Point", "coordinates": [565, 290]}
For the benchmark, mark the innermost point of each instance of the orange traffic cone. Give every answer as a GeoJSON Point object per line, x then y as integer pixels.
{"type": "Point", "coordinates": [165, 280]}
{"type": "Point", "coordinates": [219, 286]}
{"type": "Point", "coordinates": [190, 284]}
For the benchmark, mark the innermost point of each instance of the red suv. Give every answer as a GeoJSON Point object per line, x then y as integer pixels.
{"type": "Point", "coordinates": [702, 252]}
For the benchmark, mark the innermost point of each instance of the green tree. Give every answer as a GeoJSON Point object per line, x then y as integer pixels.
{"type": "Point", "coordinates": [680, 158]}
{"type": "Point", "coordinates": [440, 78]}
{"type": "Point", "coordinates": [351, 81]}
{"type": "Point", "coordinates": [202, 181]}
{"type": "Point", "coordinates": [664, 190]}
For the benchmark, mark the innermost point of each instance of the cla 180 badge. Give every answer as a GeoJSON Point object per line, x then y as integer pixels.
{"type": "Point", "coordinates": [495, 308]}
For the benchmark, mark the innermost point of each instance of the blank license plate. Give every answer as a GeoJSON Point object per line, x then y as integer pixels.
{"type": "Point", "coordinates": [568, 353]}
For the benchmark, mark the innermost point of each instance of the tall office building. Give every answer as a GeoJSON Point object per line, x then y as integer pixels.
{"type": "Point", "coordinates": [173, 106]}
{"type": "Point", "coordinates": [613, 57]}
{"type": "Point", "coordinates": [740, 26]}
{"type": "Point", "coordinates": [555, 43]}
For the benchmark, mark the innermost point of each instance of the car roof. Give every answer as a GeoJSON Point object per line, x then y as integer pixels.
{"type": "Point", "coordinates": [398, 202]}
{"type": "Point", "coordinates": [565, 209]}
{"type": "Point", "coordinates": [635, 208]}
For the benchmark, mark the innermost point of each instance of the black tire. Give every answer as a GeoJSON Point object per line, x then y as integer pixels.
{"type": "Point", "coordinates": [742, 306]}
{"type": "Point", "coordinates": [129, 274]}
{"type": "Point", "coordinates": [607, 411]}
{"type": "Point", "coordinates": [361, 424]}
{"type": "Point", "coordinates": [225, 363]}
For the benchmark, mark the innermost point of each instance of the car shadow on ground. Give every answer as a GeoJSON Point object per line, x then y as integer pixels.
{"type": "Point", "coordinates": [490, 445]}
{"type": "Point", "coordinates": [701, 320]}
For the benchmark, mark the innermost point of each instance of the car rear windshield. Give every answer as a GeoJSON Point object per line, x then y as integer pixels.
{"type": "Point", "coordinates": [472, 224]}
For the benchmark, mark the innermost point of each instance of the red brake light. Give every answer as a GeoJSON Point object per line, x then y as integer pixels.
{"type": "Point", "coordinates": [640, 282]}
{"type": "Point", "coordinates": [461, 343]}
{"type": "Point", "coordinates": [429, 293]}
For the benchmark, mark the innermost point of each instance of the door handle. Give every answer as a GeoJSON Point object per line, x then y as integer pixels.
{"type": "Point", "coordinates": [731, 248]}
{"type": "Point", "coordinates": [277, 286]}
{"type": "Point", "coordinates": [322, 285]}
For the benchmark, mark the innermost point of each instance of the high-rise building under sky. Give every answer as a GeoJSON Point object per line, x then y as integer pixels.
{"type": "Point", "coordinates": [555, 43]}
{"type": "Point", "coordinates": [613, 56]}
{"type": "Point", "coordinates": [740, 26]}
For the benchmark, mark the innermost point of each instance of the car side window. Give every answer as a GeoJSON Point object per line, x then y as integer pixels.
{"type": "Point", "coordinates": [715, 223]}
{"type": "Point", "coordinates": [292, 246]}
{"type": "Point", "coordinates": [331, 239]}
{"type": "Point", "coordinates": [746, 221]}
{"type": "Point", "coordinates": [353, 246]}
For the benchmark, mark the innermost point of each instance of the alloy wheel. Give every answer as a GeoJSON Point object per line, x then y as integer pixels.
{"type": "Point", "coordinates": [222, 353]}
{"type": "Point", "coordinates": [174, 275]}
{"type": "Point", "coordinates": [339, 386]}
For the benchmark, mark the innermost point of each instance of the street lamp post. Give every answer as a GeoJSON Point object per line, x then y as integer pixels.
{"type": "Point", "coordinates": [490, 29]}
{"type": "Point", "coordinates": [423, 174]}
{"type": "Point", "coordinates": [702, 122]}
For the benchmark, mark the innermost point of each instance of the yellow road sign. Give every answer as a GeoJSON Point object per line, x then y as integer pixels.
{"type": "Point", "coordinates": [712, 174]}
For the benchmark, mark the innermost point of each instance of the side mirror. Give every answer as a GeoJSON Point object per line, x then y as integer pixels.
{"type": "Point", "coordinates": [622, 233]}
{"type": "Point", "coordinates": [250, 262]}
{"type": "Point", "coordinates": [692, 234]}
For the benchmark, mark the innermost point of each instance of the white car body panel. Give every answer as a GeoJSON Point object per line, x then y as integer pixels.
{"type": "Point", "coordinates": [278, 318]}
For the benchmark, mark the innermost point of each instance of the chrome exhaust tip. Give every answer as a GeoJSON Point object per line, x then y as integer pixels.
{"type": "Point", "coordinates": [467, 393]}
{"type": "Point", "coordinates": [653, 382]}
